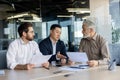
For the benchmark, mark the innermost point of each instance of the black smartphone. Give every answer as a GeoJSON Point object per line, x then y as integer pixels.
{"type": "Point", "coordinates": [118, 64]}
{"type": "Point", "coordinates": [58, 65]}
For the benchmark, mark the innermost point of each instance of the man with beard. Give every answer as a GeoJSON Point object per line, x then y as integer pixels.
{"type": "Point", "coordinates": [94, 45]}
{"type": "Point", "coordinates": [21, 51]}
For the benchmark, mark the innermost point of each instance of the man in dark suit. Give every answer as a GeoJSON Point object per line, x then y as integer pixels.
{"type": "Point", "coordinates": [52, 45]}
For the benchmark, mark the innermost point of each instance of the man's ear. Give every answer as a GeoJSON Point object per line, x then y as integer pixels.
{"type": "Point", "coordinates": [24, 33]}
{"type": "Point", "coordinates": [50, 31]}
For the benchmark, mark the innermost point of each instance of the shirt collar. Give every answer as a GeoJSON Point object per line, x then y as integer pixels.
{"type": "Point", "coordinates": [53, 43]}
{"type": "Point", "coordinates": [92, 38]}
{"type": "Point", "coordinates": [22, 42]}
{"type": "Point", "coordinates": [95, 36]}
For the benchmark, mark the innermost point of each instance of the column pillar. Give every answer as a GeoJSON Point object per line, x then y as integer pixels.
{"type": "Point", "coordinates": [100, 11]}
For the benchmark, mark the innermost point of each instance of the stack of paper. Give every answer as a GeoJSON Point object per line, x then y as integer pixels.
{"type": "Point", "coordinates": [78, 57]}
{"type": "Point", "coordinates": [69, 69]}
{"type": "Point", "coordinates": [74, 68]}
{"type": "Point", "coordinates": [39, 59]}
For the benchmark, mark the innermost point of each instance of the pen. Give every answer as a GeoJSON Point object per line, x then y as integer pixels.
{"type": "Point", "coordinates": [66, 75]}
{"type": "Point", "coordinates": [57, 72]}
{"type": "Point", "coordinates": [47, 68]}
{"type": "Point", "coordinates": [77, 67]}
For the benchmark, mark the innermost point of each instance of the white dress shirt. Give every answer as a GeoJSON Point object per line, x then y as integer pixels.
{"type": "Point", "coordinates": [54, 48]}
{"type": "Point", "coordinates": [21, 53]}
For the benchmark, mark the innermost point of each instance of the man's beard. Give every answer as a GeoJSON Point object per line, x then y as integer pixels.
{"type": "Point", "coordinates": [86, 36]}
{"type": "Point", "coordinates": [29, 39]}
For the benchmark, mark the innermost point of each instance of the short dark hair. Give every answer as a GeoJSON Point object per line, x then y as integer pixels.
{"type": "Point", "coordinates": [24, 28]}
{"type": "Point", "coordinates": [54, 26]}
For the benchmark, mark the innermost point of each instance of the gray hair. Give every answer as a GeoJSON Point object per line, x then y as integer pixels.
{"type": "Point", "coordinates": [89, 24]}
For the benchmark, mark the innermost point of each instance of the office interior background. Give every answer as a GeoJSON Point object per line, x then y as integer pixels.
{"type": "Point", "coordinates": [68, 13]}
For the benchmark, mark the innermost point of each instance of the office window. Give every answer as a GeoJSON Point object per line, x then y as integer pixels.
{"type": "Point", "coordinates": [115, 16]}
{"type": "Point", "coordinates": [77, 32]}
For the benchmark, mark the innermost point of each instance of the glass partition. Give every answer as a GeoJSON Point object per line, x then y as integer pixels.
{"type": "Point", "coordinates": [115, 16]}
{"type": "Point", "coordinates": [106, 13]}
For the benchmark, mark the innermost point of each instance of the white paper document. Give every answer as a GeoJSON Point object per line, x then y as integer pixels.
{"type": "Point", "coordinates": [2, 72]}
{"type": "Point", "coordinates": [78, 57]}
{"type": "Point", "coordinates": [69, 69]}
{"type": "Point", "coordinates": [66, 68]}
{"type": "Point", "coordinates": [39, 59]}
{"type": "Point", "coordinates": [74, 67]}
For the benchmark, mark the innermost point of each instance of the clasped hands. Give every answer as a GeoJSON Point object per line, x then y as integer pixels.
{"type": "Point", "coordinates": [63, 59]}
{"type": "Point", "coordinates": [93, 63]}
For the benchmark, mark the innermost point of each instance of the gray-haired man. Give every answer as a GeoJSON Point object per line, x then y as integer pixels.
{"type": "Point", "coordinates": [94, 45]}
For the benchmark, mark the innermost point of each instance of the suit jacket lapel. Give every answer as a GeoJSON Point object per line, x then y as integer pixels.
{"type": "Point", "coordinates": [50, 46]}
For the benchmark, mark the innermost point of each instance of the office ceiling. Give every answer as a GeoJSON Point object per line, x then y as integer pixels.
{"type": "Point", "coordinates": [44, 8]}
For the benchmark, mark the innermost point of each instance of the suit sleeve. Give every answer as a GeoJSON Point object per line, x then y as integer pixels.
{"type": "Point", "coordinates": [63, 50]}
{"type": "Point", "coordinates": [45, 49]}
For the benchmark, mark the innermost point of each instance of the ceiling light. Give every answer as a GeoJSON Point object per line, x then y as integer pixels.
{"type": "Point", "coordinates": [82, 2]}
{"type": "Point", "coordinates": [82, 12]}
{"type": "Point", "coordinates": [31, 18]}
{"type": "Point", "coordinates": [26, 17]}
{"type": "Point", "coordinates": [13, 6]}
{"type": "Point", "coordinates": [34, 20]}
{"type": "Point", "coordinates": [18, 15]}
{"type": "Point", "coordinates": [79, 10]}
{"type": "Point", "coordinates": [65, 16]}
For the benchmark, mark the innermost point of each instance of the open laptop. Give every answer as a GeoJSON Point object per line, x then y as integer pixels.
{"type": "Point", "coordinates": [78, 57]}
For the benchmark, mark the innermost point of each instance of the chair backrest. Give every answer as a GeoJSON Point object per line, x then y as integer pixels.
{"type": "Point", "coordinates": [3, 61]}
{"type": "Point", "coordinates": [115, 52]}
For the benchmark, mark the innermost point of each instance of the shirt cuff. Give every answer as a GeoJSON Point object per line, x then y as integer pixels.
{"type": "Point", "coordinates": [102, 62]}
{"type": "Point", "coordinates": [57, 58]}
{"type": "Point", "coordinates": [13, 65]}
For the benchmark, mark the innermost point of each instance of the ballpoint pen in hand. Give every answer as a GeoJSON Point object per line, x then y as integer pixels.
{"type": "Point", "coordinates": [47, 68]}
{"type": "Point", "coordinates": [77, 67]}
{"type": "Point", "coordinates": [57, 72]}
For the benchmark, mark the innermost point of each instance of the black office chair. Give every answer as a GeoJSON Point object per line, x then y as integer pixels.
{"type": "Point", "coordinates": [3, 61]}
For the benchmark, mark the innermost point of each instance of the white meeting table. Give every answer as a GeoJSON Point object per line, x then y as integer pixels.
{"type": "Point", "coordinates": [94, 73]}
{"type": "Point", "coordinates": [33, 74]}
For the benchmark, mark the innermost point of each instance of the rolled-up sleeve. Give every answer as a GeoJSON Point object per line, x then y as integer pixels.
{"type": "Point", "coordinates": [11, 53]}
